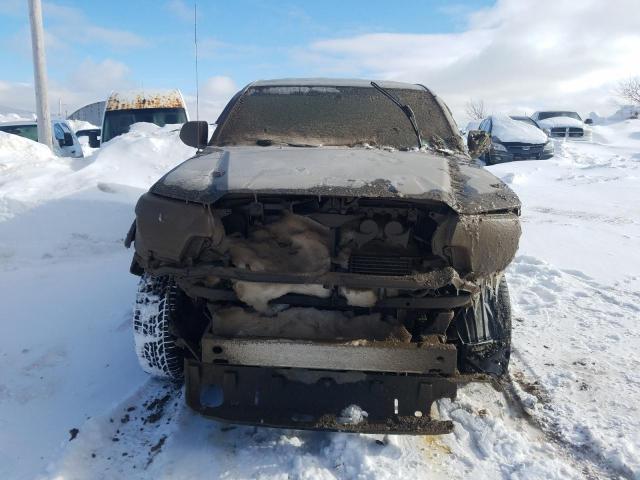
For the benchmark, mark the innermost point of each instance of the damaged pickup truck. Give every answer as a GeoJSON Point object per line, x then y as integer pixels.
{"type": "Point", "coordinates": [331, 259]}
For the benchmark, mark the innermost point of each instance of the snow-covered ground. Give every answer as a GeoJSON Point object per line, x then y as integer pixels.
{"type": "Point", "coordinates": [75, 405]}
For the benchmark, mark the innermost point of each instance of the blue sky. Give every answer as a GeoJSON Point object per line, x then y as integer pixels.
{"type": "Point", "coordinates": [242, 39]}
{"type": "Point", "coordinates": [516, 55]}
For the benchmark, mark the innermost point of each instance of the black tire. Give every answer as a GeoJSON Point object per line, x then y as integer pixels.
{"type": "Point", "coordinates": [484, 332]}
{"type": "Point", "coordinates": [155, 315]}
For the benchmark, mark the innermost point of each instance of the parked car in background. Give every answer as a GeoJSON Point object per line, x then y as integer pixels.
{"type": "Point", "coordinates": [123, 109]}
{"type": "Point", "coordinates": [65, 143]}
{"type": "Point", "coordinates": [514, 140]}
{"type": "Point", "coordinates": [563, 124]}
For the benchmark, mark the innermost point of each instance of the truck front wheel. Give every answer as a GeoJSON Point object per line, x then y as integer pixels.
{"type": "Point", "coordinates": [155, 315]}
{"type": "Point", "coordinates": [484, 332]}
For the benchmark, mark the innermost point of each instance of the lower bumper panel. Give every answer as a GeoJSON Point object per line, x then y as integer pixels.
{"type": "Point", "coordinates": [315, 399]}
{"type": "Point", "coordinates": [371, 356]}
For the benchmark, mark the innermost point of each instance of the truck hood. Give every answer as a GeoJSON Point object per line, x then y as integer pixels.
{"type": "Point", "coordinates": [554, 122]}
{"type": "Point", "coordinates": [337, 171]}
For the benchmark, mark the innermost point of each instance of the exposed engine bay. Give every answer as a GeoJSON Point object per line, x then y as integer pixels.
{"type": "Point", "coordinates": [340, 252]}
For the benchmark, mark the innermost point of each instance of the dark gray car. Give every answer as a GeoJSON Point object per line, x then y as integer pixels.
{"type": "Point", "coordinates": [331, 259]}
{"type": "Point", "coordinates": [515, 139]}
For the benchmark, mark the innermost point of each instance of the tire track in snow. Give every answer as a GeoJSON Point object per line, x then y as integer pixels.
{"type": "Point", "coordinates": [518, 392]}
{"type": "Point", "coordinates": [493, 439]}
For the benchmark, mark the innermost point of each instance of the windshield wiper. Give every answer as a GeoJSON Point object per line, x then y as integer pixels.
{"type": "Point", "coordinates": [406, 109]}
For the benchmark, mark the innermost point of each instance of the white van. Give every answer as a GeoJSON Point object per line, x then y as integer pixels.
{"type": "Point", "coordinates": [65, 143]}
{"type": "Point", "coordinates": [123, 109]}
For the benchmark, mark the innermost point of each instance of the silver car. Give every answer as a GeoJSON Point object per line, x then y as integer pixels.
{"type": "Point", "coordinates": [65, 143]}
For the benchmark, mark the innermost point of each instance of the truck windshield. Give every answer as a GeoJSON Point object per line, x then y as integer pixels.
{"type": "Point", "coordinates": [333, 116]}
{"type": "Point", "coordinates": [26, 131]}
{"type": "Point", "coordinates": [545, 115]}
{"type": "Point", "coordinates": [117, 122]}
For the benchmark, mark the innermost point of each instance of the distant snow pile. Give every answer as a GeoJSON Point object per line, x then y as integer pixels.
{"type": "Point", "coordinates": [13, 117]}
{"type": "Point", "coordinates": [30, 174]}
{"type": "Point", "coordinates": [9, 114]}
{"type": "Point", "coordinates": [141, 156]}
{"type": "Point", "coordinates": [625, 112]}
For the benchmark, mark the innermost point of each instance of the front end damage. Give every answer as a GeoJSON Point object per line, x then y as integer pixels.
{"type": "Point", "coordinates": [306, 307]}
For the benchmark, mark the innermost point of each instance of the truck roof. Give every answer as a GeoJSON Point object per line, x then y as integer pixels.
{"type": "Point", "coordinates": [141, 99]}
{"type": "Point", "coordinates": [332, 82]}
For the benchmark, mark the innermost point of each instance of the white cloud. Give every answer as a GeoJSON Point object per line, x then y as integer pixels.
{"type": "Point", "coordinates": [100, 78]}
{"type": "Point", "coordinates": [219, 86]}
{"type": "Point", "coordinates": [72, 23]}
{"type": "Point", "coordinates": [13, 7]}
{"type": "Point", "coordinates": [215, 92]}
{"type": "Point", "coordinates": [180, 9]}
{"type": "Point", "coordinates": [517, 54]}
{"type": "Point", "coordinates": [89, 82]}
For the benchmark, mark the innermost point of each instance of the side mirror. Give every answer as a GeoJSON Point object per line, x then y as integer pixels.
{"type": "Point", "coordinates": [195, 134]}
{"type": "Point", "coordinates": [478, 142]}
{"type": "Point", "coordinates": [589, 121]}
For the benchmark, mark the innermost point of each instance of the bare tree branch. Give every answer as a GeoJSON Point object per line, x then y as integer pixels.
{"type": "Point", "coordinates": [475, 109]}
{"type": "Point", "coordinates": [629, 90]}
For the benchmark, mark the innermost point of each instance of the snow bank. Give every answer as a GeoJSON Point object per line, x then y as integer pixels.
{"type": "Point", "coordinates": [139, 157]}
{"type": "Point", "coordinates": [625, 112]}
{"type": "Point", "coordinates": [30, 174]}
{"type": "Point", "coordinates": [16, 151]}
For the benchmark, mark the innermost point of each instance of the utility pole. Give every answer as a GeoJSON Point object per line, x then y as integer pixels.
{"type": "Point", "coordinates": [40, 73]}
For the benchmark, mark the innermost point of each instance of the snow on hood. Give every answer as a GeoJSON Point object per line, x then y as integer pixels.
{"type": "Point", "coordinates": [510, 130]}
{"type": "Point", "coordinates": [560, 122]}
{"type": "Point", "coordinates": [339, 171]}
